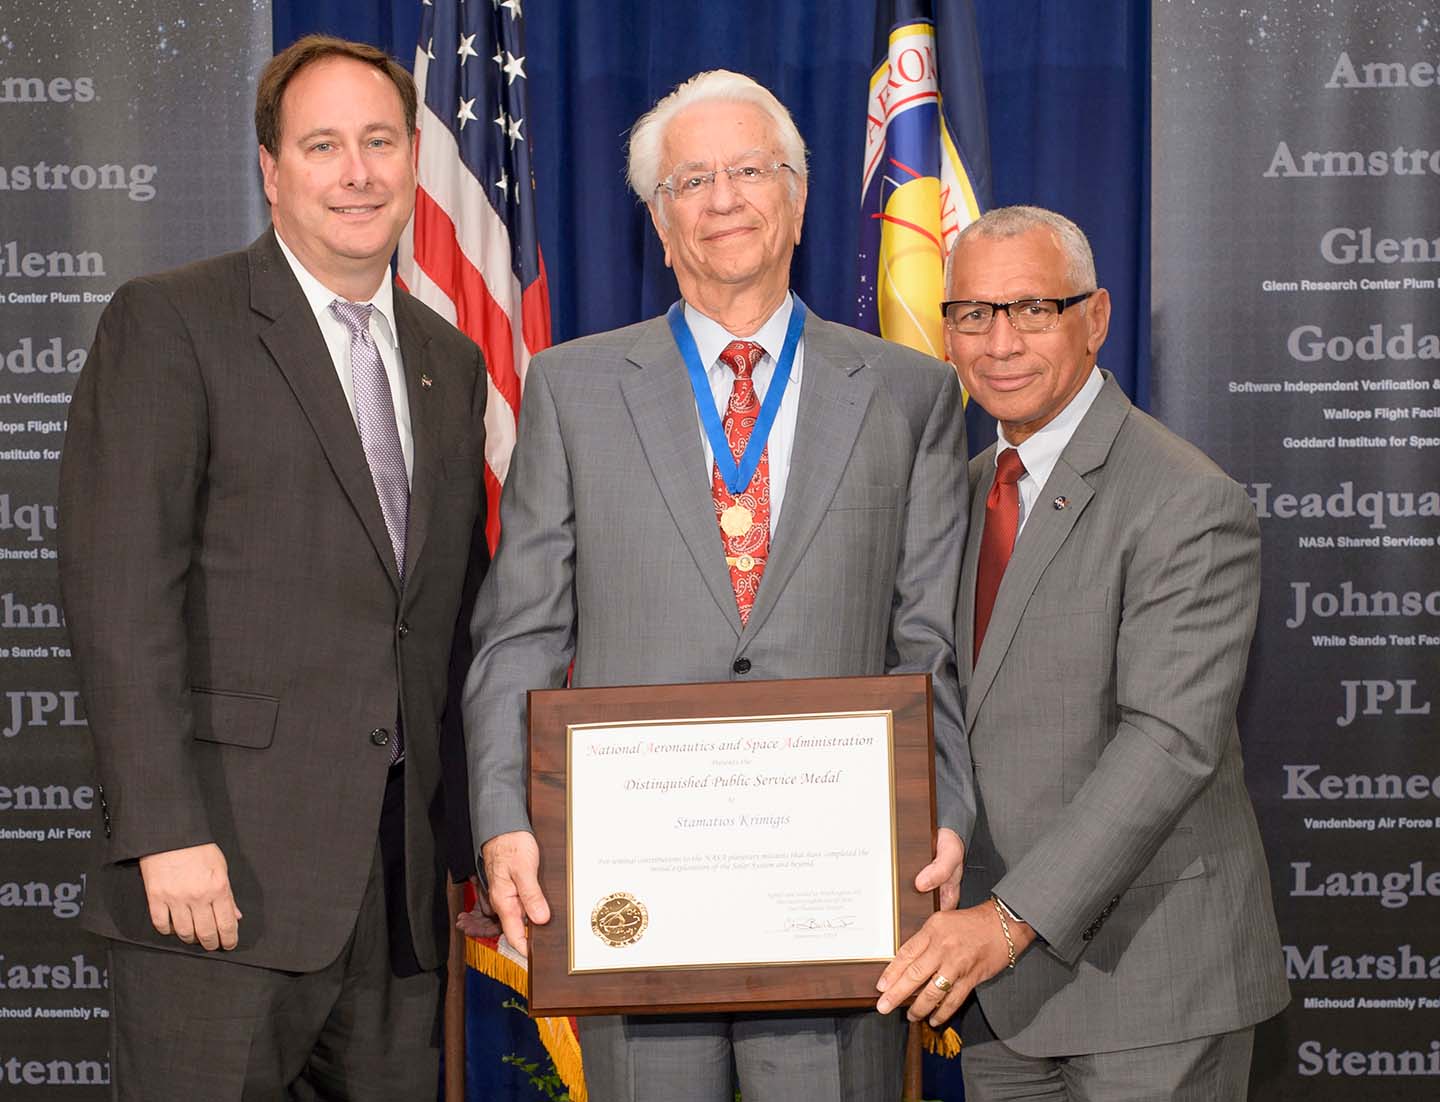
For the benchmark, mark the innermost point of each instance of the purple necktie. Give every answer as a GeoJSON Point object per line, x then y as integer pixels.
{"type": "Point", "coordinates": [375, 418]}
{"type": "Point", "coordinates": [380, 437]}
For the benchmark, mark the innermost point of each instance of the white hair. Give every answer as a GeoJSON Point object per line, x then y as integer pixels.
{"type": "Point", "coordinates": [647, 136]}
{"type": "Point", "coordinates": [1013, 221]}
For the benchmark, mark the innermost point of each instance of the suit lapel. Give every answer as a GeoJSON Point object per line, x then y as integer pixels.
{"type": "Point", "coordinates": [425, 476]}
{"type": "Point", "coordinates": [662, 407]}
{"type": "Point", "coordinates": [1045, 531]}
{"type": "Point", "coordinates": [834, 395]}
{"type": "Point", "coordinates": [298, 348]}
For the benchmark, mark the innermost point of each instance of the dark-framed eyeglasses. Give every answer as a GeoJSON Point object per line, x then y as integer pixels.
{"type": "Point", "coordinates": [1027, 315]}
{"type": "Point", "coordinates": [688, 182]}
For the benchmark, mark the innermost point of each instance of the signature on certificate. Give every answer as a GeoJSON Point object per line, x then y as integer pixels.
{"type": "Point", "coordinates": [834, 922]}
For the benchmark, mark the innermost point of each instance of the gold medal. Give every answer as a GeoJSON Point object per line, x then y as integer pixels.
{"type": "Point", "coordinates": [736, 521]}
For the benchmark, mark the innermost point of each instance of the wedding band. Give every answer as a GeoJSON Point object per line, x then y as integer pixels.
{"type": "Point", "coordinates": [941, 982]}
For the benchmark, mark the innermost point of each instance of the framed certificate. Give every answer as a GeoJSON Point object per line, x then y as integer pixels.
{"type": "Point", "coordinates": [726, 846]}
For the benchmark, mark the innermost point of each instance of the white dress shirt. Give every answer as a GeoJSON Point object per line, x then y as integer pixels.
{"type": "Point", "coordinates": [711, 339]}
{"type": "Point", "coordinates": [337, 339]}
{"type": "Point", "coordinates": [1042, 451]}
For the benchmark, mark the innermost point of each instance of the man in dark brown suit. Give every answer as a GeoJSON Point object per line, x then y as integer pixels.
{"type": "Point", "coordinates": [268, 493]}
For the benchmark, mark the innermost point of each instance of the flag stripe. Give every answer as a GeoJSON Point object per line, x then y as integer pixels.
{"type": "Point", "coordinates": [440, 255]}
{"type": "Point", "coordinates": [535, 312]}
{"type": "Point", "coordinates": [492, 520]}
{"type": "Point", "coordinates": [427, 291]}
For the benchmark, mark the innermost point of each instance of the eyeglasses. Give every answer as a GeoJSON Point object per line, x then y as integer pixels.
{"type": "Point", "coordinates": [1027, 315]}
{"type": "Point", "coordinates": [688, 182]}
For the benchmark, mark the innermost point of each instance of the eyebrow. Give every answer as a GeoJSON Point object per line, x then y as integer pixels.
{"type": "Point", "coordinates": [756, 152]}
{"type": "Point", "coordinates": [330, 131]}
{"type": "Point", "coordinates": [1018, 298]}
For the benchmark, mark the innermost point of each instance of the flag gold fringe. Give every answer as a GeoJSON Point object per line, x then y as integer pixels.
{"type": "Point", "coordinates": [497, 966]}
{"type": "Point", "coordinates": [945, 1044]}
{"type": "Point", "coordinates": [556, 1034]}
{"type": "Point", "coordinates": [558, 1037]}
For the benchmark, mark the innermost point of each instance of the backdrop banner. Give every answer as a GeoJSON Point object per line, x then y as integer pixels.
{"type": "Point", "coordinates": [1296, 335]}
{"type": "Point", "coordinates": [592, 69]}
{"type": "Point", "coordinates": [126, 146]}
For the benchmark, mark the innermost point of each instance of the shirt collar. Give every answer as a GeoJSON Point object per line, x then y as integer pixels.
{"type": "Point", "coordinates": [1042, 451]}
{"type": "Point", "coordinates": [711, 337]}
{"type": "Point", "coordinates": [320, 297]}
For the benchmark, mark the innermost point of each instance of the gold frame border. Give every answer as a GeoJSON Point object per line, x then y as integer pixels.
{"type": "Point", "coordinates": [571, 728]}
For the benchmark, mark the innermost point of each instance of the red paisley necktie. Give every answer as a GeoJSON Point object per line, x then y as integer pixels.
{"type": "Point", "coordinates": [744, 518]}
{"type": "Point", "coordinates": [1002, 523]}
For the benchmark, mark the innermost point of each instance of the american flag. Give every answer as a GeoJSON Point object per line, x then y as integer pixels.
{"type": "Point", "coordinates": [471, 252]}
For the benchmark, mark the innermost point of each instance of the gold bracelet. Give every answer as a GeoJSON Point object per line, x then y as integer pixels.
{"type": "Point", "coordinates": [1005, 929]}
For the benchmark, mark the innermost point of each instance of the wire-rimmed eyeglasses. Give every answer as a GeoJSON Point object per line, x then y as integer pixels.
{"type": "Point", "coordinates": [690, 181]}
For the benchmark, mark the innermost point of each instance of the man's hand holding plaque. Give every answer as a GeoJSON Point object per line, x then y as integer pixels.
{"type": "Point", "coordinates": [943, 873]}
{"type": "Point", "coordinates": [512, 878]}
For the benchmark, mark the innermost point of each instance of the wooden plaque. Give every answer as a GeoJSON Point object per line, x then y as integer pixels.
{"type": "Point", "coordinates": [557, 989]}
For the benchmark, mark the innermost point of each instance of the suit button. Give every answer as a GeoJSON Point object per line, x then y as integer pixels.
{"type": "Point", "coordinates": [742, 665]}
{"type": "Point", "coordinates": [403, 629]}
{"type": "Point", "coordinates": [380, 736]}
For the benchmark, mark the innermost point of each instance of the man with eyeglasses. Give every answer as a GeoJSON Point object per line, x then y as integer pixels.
{"type": "Point", "coordinates": [1116, 924]}
{"type": "Point", "coordinates": [737, 491]}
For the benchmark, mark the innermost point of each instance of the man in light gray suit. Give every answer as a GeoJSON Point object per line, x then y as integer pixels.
{"type": "Point", "coordinates": [1118, 930]}
{"type": "Point", "coordinates": [630, 547]}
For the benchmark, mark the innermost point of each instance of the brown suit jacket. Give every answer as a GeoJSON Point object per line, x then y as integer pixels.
{"type": "Point", "coordinates": [237, 620]}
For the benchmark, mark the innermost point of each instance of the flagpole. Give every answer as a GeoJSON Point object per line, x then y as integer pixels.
{"type": "Point", "coordinates": [455, 998]}
{"type": "Point", "coordinates": [914, 1066]}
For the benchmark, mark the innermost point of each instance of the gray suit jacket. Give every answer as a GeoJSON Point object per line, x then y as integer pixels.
{"type": "Point", "coordinates": [1113, 810]}
{"type": "Point", "coordinates": [232, 597]}
{"type": "Point", "coordinates": [610, 554]}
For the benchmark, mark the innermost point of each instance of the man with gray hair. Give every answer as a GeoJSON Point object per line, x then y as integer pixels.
{"type": "Point", "coordinates": [1119, 933]}
{"type": "Point", "coordinates": [635, 545]}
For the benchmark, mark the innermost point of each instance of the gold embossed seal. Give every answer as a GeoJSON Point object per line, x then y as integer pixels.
{"type": "Point", "coordinates": [619, 919]}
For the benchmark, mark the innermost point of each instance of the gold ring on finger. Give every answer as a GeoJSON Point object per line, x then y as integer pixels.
{"type": "Point", "coordinates": [941, 983]}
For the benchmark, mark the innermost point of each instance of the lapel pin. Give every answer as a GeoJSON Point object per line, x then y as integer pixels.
{"type": "Point", "coordinates": [426, 382]}
{"type": "Point", "coordinates": [1061, 502]}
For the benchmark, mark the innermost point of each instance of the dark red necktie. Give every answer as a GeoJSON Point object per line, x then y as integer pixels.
{"type": "Point", "coordinates": [1002, 522]}
{"type": "Point", "coordinates": [744, 518]}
